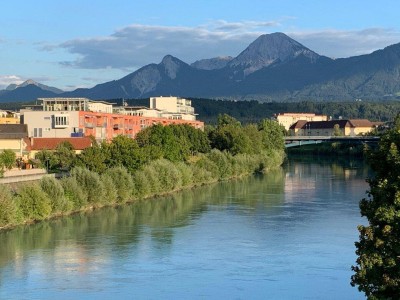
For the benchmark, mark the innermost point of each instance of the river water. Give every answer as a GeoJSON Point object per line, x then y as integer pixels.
{"type": "Point", "coordinates": [286, 235]}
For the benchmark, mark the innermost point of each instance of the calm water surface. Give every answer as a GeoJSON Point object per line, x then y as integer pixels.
{"type": "Point", "coordinates": [286, 235]}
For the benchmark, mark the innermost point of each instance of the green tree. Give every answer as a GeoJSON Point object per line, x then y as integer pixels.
{"type": "Point", "coordinates": [7, 158]}
{"type": "Point", "coordinates": [94, 158]}
{"type": "Point", "coordinates": [123, 151]}
{"type": "Point", "coordinates": [65, 155]}
{"type": "Point", "coordinates": [47, 159]}
{"type": "Point", "coordinates": [336, 130]}
{"type": "Point", "coordinates": [272, 135]}
{"type": "Point", "coordinates": [377, 272]}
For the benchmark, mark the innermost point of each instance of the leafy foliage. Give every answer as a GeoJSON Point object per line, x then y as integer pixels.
{"type": "Point", "coordinates": [33, 202]}
{"type": "Point", "coordinates": [53, 188]}
{"type": "Point", "coordinates": [377, 273]}
{"type": "Point", "coordinates": [8, 208]}
{"type": "Point", "coordinates": [7, 159]}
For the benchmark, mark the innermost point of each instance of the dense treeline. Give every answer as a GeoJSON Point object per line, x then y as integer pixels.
{"type": "Point", "coordinates": [254, 111]}
{"type": "Point", "coordinates": [160, 160]}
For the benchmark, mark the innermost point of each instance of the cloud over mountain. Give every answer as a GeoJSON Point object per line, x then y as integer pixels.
{"type": "Point", "coordinates": [133, 46]}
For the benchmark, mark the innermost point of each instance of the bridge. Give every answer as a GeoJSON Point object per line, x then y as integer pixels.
{"type": "Point", "coordinates": [296, 141]}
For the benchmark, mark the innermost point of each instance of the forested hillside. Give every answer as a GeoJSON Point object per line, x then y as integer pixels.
{"type": "Point", "coordinates": [254, 111]}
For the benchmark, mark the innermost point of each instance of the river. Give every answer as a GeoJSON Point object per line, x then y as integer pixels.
{"type": "Point", "coordinates": [288, 234]}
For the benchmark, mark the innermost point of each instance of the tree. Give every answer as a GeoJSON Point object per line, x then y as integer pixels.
{"type": "Point", "coordinates": [65, 155]}
{"type": "Point", "coordinates": [7, 158]}
{"type": "Point", "coordinates": [47, 159]}
{"type": "Point", "coordinates": [337, 131]}
{"type": "Point", "coordinates": [377, 273]}
{"type": "Point", "coordinates": [94, 158]}
{"type": "Point", "coordinates": [123, 151]}
{"type": "Point", "coordinates": [272, 135]}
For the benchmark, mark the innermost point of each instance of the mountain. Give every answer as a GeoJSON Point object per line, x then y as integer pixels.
{"type": "Point", "coordinates": [12, 87]}
{"type": "Point", "coordinates": [212, 63]}
{"type": "Point", "coordinates": [27, 93]}
{"type": "Point", "coordinates": [29, 90]}
{"type": "Point", "coordinates": [269, 49]}
{"type": "Point", "coordinates": [272, 68]}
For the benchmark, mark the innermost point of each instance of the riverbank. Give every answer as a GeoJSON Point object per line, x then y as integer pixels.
{"type": "Point", "coordinates": [85, 190]}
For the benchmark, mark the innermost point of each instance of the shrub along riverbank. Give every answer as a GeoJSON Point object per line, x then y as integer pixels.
{"type": "Point", "coordinates": [161, 159]}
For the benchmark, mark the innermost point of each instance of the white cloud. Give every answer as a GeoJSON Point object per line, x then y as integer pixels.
{"type": "Point", "coordinates": [338, 44]}
{"type": "Point", "coordinates": [134, 46]}
{"type": "Point", "coordinates": [6, 80]}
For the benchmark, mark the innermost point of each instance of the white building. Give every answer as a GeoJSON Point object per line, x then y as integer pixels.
{"type": "Point", "coordinates": [174, 107]}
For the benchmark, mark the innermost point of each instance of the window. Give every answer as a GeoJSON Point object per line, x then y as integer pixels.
{"type": "Point", "coordinates": [61, 121]}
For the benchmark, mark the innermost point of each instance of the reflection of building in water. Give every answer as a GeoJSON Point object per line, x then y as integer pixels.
{"type": "Point", "coordinates": [299, 185]}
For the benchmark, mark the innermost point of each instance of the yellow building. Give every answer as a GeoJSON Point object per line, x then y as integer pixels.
{"type": "Point", "coordinates": [288, 119]}
{"type": "Point", "coordinates": [9, 117]}
{"type": "Point", "coordinates": [14, 137]}
{"type": "Point", "coordinates": [333, 127]}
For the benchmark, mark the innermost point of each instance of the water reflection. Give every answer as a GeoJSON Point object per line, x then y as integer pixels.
{"type": "Point", "coordinates": [246, 238]}
{"type": "Point", "coordinates": [122, 227]}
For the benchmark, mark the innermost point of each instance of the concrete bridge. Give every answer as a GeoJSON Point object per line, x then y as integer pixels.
{"type": "Point", "coordinates": [297, 141]}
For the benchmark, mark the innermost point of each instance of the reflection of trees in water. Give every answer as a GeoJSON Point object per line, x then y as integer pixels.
{"type": "Point", "coordinates": [342, 167]}
{"type": "Point", "coordinates": [122, 227]}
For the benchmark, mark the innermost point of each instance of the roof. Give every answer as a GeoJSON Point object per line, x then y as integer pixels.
{"type": "Point", "coordinates": [78, 143]}
{"type": "Point", "coordinates": [299, 124]}
{"type": "Point", "coordinates": [361, 123]}
{"type": "Point", "coordinates": [13, 131]}
{"type": "Point", "coordinates": [330, 124]}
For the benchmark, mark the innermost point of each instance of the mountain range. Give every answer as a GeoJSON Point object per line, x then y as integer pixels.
{"type": "Point", "coordinates": [274, 67]}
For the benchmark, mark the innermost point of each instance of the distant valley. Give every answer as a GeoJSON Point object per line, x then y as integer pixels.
{"type": "Point", "coordinates": [272, 68]}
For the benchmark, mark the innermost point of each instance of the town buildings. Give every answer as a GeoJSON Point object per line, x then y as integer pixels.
{"type": "Point", "coordinates": [79, 117]}
{"type": "Point", "coordinates": [54, 120]}
{"type": "Point", "coordinates": [288, 119]}
{"type": "Point", "coordinates": [350, 127]}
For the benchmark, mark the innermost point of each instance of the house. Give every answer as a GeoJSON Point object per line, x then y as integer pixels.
{"type": "Point", "coordinates": [288, 119]}
{"type": "Point", "coordinates": [9, 117]}
{"type": "Point", "coordinates": [39, 144]}
{"type": "Point", "coordinates": [14, 137]}
{"type": "Point", "coordinates": [350, 127]}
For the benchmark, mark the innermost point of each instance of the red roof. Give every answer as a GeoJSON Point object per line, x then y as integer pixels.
{"type": "Point", "coordinates": [78, 143]}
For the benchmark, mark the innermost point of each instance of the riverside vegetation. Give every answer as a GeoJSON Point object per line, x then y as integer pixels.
{"type": "Point", "coordinates": [160, 160]}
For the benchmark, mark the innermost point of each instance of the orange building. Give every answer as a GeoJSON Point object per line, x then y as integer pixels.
{"type": "Point", "coordinates": [81, 117]}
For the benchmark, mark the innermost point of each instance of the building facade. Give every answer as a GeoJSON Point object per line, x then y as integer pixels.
{"type": "Point", "coordinates": [288, 119]}
{"type": "Point", "coordinates": [81, 117]}
{"type": "Point", "coordinates": [333, 127]}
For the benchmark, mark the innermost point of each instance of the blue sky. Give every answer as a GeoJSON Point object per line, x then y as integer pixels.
{"type": "Point", "coordinates": [71, 44]}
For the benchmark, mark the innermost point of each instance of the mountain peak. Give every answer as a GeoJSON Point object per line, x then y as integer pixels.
{"type": "Point", "coordinates": [28, 82]}
{"type": "Point", "coordinates": [268, 49]}
{"type": "Point", "coordinates": [171, 65]}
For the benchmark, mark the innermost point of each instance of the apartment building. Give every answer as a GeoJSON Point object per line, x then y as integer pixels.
{"type": "Point", "coordinates": [79, 117]}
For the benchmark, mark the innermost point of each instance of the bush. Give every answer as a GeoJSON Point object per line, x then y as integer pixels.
{"type": "Point", "coordinates": [168, 175]}
{"type": "Point", "coordinates": [73, 192]}
{"type": "Point", "coordinates": [186, 173]}
{"type": "Point", "coordinates": [53, 188]}
{"type": "Point", "coordinates": [142, 187]}
{"type": "Point", "coordinates": [8, 207]}
{"type": "Point", "coordinates": [7, 158]}
{"type": "Point", "coordinates": [221, 159]}
{"type": "Point", "coordinates": [123, 183]}
{"type": "Point", "coordinates": [110, 190]}
{"type": "Point", "coordinates": [152, 176]}
{"type": "Point", "coordinates": [33, 202]}
{"type": "Point", "coordinates": [90, 183]}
